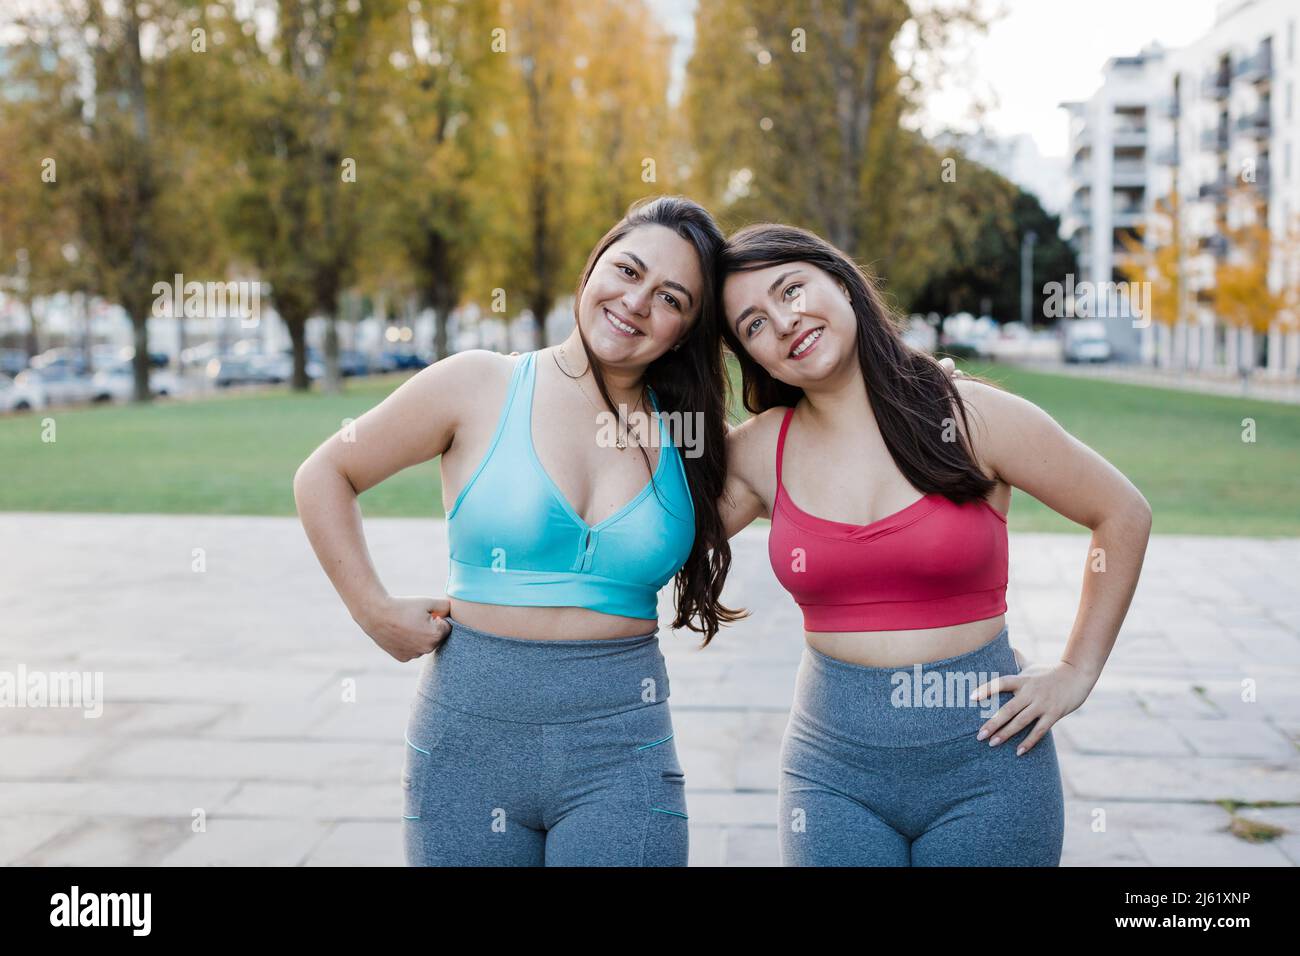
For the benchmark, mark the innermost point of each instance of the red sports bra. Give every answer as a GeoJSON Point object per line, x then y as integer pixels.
{"type": "Point", "coordinates": [932, 564]}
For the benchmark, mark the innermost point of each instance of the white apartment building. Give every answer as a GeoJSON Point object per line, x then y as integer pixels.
{"type": "Point", "coordinates": [1218, 122]}
{"type": "Point", "coordinates": [1111, 159]}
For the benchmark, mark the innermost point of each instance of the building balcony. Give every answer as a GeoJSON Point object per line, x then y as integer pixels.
{"type": "Point", "coordinates": [1256, 68]}
{"type": "Point", "coordinates": [1214, 140]}
{"type": "Point", "coordinates": [1169, 107]}
{"type": "Point", "coordinates": [1129, 135]}
{"type": "Point", "coordinates": [1215, 86]}
{"type": "Point", "coordinates": [1257, 123]}
{"type": "Point", "coordinates": [1167, 156]}
{"type": "Point", "coordinates": [1128, 174]}
{"type": "Point", "coordinates": [1261, 180]}
{"type": "Point", "coordinates": [1215, 189]}
{"type": "Point", "coordinates": [1126, 216]}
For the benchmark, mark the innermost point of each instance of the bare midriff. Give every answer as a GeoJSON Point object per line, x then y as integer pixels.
{"type": "Point", "coordinates": [547, 623]}
{"type": "Point", "coordinates": [902, 648]}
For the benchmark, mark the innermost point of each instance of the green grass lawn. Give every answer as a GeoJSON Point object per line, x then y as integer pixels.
{"type": "Point", "coordinates": [236, 454]}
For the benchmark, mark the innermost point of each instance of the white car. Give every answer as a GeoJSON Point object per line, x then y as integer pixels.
{"type": "Point", "coordinates": [12, 398]}
{"type": "Point", "coordinates": [1086, 341]}
{"type": "Point", "coordinates": [53, 385]}
{"type": "Point", "coordinates": [117, 382]}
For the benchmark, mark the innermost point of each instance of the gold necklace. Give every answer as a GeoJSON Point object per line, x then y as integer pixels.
{"type": "Point", "coordinates": [620, 442]}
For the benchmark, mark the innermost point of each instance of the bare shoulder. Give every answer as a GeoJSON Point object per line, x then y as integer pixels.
{"type": "Point", "coordinates": [466, 378]}
{"type": "Point", "coordinates": [473, 366]}
{"type": "Point", "coordinates": [757, 431]}
{"type": "Point", "coordinates": [452, 393]}
{"type": "Point", "coordinates": [995, 406]}
{"type": "Point", "coordinates": [751, 446]}
{"type": "Point", "coordinates": [1003, 425]}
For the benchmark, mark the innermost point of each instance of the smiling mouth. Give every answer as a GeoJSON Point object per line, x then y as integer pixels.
{"type": "Point", "coordinates": [806, 343]}
{"type": "Point", "coordinates": [621, 327]}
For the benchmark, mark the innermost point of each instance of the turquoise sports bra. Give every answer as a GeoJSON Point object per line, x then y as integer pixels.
{"type": "Point", "coordinates": [516, 540]}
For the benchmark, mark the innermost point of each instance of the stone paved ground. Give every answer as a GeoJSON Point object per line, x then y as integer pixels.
{"type": "Point", "coordinates": [223, 694]}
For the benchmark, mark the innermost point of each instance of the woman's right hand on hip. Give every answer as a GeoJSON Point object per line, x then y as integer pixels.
{"type": "Point", "coordinates": [408, 627]}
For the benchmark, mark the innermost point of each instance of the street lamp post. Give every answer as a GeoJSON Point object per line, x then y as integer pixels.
{"type": "Point", "coordinates": [1026, 275]}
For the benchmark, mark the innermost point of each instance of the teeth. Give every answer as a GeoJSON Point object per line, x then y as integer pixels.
{"type": "Point", "coordinates": [807, 343]}
{"type": "Point", "coordinates": [621, 325]}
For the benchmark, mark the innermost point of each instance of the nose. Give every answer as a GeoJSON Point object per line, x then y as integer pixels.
{"type": "Point", "coordinates": [637, 301]}
{"type": "Point", "coordinates": [786, 321]}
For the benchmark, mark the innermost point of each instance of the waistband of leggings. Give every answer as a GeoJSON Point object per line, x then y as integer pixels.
{"type": "Point", "coordinates": [904, 706]}
{"type": "Point", "coordinates": [543, 681]}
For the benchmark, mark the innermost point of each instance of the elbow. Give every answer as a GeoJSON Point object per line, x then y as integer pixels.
{"type": "Point", "coordinates": [1139, 515]}
{"type": "Point", "coordinates": [301, 478]}
{"type": "Point", "coordinates": [1129, 517]}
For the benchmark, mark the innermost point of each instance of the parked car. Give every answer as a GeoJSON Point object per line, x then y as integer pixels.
{"type": "Point", "coordinates": [283, 363]}
{"type": "Point", "coordinates": [12, 398]}
{"type": "Point", "coordinates": [352, 362]}
{"type": "Point", "coordinates": [12, 361]}
{"type": "Point", "coordinates": [55, 384]}
{"type": "Point", "coordinates": [230, 370]}
{"type": "Point", "coordinates": [156, 359]}
{"type": "Point", "coordinates": [395, 361]}
{"type": "Point", "coordinates": [117, 382]}
{"type": "Point", "coordinates": [1085, 341]}
{"type": "Point", "coordinates": [198, 356]}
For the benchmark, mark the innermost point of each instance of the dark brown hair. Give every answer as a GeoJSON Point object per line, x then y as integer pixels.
{"type": "Point", "coordinates": [688, 380]}
{"type": "Point", "coordinates": [912, 397]}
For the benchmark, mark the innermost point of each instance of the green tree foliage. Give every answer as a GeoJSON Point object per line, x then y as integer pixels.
{"type": "Point", "coordinates": [979, 220]}
{"type": "Point", "coordinates": [796, 114]}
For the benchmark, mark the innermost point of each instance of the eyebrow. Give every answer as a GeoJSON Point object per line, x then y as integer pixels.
{"type": "Point", "coordinates": [770, 291]}
{"type": "Point", "coordinates": [668, 282]}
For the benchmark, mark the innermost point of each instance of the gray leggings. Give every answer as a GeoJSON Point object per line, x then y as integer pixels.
{"type": "Point", "coordinates": [880, 767]}
{"type": "Point", "coordinates": [543, 753]}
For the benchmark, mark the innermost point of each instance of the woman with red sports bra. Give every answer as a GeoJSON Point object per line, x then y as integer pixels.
{"type": "Point", "coordinates": [915, 738]}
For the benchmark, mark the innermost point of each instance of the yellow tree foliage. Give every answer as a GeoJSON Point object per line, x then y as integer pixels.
{"type": "Point", "coordinates": [581, 130]}
{"type": "Point", "coordinates": [1243, 296]}
{"type": "Point", "coordinates": [1159, 255]}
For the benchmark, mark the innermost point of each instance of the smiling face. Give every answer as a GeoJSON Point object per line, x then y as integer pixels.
{"type": "Point", "coordinates": [793, 318]}
{"type": "Point", "coordinates": [642, 296]}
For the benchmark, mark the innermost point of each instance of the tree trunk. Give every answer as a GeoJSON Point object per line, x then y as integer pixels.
{"type": "Point", "coordinates": [33, 339]}
{"type": "Point", "coordinates": [87, 334]}
{"type": "Point", "coordinates": [140, 363]}
{"type": "Point", "coordinates": [333, 384]}
{"type": "Point", "coordinates": [541, 308]}
{"type": "Point", "coordinates": [297, 326]}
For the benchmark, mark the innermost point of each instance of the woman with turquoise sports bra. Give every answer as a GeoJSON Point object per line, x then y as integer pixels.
{"type": "Point", "coordinates": [541, 733]}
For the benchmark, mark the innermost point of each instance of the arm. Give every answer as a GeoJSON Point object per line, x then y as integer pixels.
{"type": "Point", "coordinates": [416, 423]}
{"type": "Point", "coordinates": [1027, 449]}
{"type": "Point", "coordinates": [740, 502]}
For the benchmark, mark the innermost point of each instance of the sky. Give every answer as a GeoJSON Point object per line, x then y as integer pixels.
{"type": "Point", "coordinates": [1039, 54]}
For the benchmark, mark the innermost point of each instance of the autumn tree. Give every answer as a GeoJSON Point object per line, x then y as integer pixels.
{"type": "Point", "coordinates": [796, 114]}
{"type": "Point", "coordinates": [1244, 296]}
{"type": "Point", "coordinates": [106, 120]}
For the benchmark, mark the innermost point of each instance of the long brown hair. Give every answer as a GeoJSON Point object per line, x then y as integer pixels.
{"type": "Point", "coordinates": [688, 380]}
{"type": "Point", "coordinates": [912, 397]}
